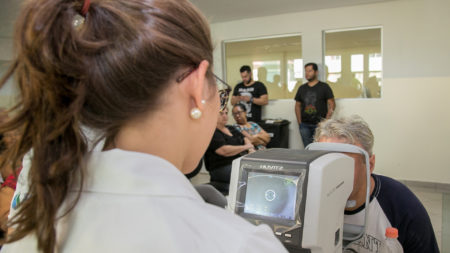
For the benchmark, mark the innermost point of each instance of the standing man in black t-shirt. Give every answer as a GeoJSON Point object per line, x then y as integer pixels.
{"type": "Point", "coordinates": [314, 102]}
{"type": "Point", "coordinates": [252, 94]}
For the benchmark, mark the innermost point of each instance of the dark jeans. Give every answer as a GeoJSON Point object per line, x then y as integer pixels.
{"type": "Point", "coordinates": [307, 132]}
{"type": "Point", "coordinates": [220, 178]}
{"type": "Point", "coordinates": [221, 174]}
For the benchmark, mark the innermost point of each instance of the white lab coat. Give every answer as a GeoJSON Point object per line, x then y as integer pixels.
{"type": "Point", "coordinates": [134, 202]}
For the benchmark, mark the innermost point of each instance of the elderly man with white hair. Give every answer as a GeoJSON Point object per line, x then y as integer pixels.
{"type": "Point", "coordinates": [392, 204]}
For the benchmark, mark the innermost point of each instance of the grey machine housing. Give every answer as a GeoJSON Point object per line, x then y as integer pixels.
{"type": "Point", "coordinates": [300, 194]}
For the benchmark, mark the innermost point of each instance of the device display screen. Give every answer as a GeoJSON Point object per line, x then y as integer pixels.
{"type": "Point", "coordinates": [272, 195]}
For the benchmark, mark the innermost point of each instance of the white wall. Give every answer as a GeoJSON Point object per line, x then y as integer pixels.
{"type": "Point", "coordinates": [8, 13]}
{"type": "Point", "coordinates": [8, 92]}
{"type": "Point", "coordinates": [411, 122]}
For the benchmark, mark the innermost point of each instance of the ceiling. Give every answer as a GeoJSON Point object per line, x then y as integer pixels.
{"type": "Point", "coordinates": [215, 10]}
{"type": "Point", "coordinates": [227, 10]}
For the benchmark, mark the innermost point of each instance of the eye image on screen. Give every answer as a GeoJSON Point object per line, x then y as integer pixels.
{"type": "Point", "coordinates": [271, 195]}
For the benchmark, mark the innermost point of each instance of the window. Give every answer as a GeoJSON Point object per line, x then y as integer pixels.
{"type": "Point", "coordinates": [333, 63]}
{"type": "Point", "coordinates": [353, 61]}
{"type": "Point", "coordinates": [275, 61]}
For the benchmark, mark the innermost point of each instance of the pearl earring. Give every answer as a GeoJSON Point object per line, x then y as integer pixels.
{"type": "Point", "coordinates": [196, 113]}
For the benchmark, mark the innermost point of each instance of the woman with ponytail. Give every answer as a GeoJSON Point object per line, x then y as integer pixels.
{"type": "Point", "coordinates": [136, 75]}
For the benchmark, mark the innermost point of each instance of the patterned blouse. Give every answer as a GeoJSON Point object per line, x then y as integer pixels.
{"type": "Point", "coordinates": [252, 130]}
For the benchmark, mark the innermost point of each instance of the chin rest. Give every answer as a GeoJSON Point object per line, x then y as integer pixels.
{"type": "Point", "coordinates": [221, 186]}
{"type": "Point", "coordinates": [211, 195]}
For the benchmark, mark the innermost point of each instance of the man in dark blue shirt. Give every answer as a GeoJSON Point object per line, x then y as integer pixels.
{"type": "Point", "coordinates": [392, 204]}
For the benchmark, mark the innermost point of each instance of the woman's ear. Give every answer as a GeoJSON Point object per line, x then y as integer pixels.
{"type": "Point", "coordinates": [198, 85]}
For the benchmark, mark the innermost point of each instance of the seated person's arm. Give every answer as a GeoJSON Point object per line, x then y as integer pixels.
{"type": "Point", "coordinates": [6, 195]}
{"type": "Point", "coordinates": [6, 170]}
{"type": "Point", "coordinates": [231, 150]}
{"type": "Point", "coordinates": [263, 136]}
{"type": "Point", "coordinates": [251, 138]}
{"type": "Point", "coordinates": [247, 141]}
{"type": "Point", "coordinates": [254, 139]}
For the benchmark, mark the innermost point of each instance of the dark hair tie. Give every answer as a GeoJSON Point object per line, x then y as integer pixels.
{"type": "Point", "coordinates": [85, 8]}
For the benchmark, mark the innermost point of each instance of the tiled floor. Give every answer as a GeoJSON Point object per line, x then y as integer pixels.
{"type": "Point", "coordinates": [445, 246]}
{"type": "Point", "coordinates": [437, 203]}
{"type": "Point", "coordinates": [435, 199]}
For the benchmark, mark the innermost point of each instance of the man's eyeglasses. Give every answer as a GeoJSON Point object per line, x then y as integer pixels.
{"type": "Point", "coordinates": [223, 88]}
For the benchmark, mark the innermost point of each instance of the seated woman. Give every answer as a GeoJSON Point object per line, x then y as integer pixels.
{"type": "Point", "coordinates": [8, 178]}
{"type": "Point", "coordinates": [226, 145]}
{"type": "Point", "coordinates": [251, 130]}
